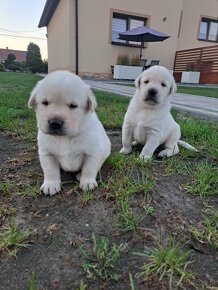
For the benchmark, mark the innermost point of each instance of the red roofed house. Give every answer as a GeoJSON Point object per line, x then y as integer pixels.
{"type": "Point", "coordinates": [20, 54]}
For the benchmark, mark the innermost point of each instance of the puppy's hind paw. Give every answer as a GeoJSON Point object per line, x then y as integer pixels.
{"type": "Point", "coordinates": [87, 183]}
{"type": "Point", "coordinates": [145, 157]}
{"type": "Point", "coordinates": [50, 188]}
{"type": "Point", "coordinates": [168, 152]}
{"type": "Point", "coordinates": [125, 150]}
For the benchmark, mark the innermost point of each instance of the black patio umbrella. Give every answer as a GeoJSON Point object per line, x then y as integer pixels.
{"type": "Point", "coordinates": [143, 34]}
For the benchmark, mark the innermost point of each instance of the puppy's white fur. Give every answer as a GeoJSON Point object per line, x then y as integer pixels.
{"type": "Point", "coordinates": [148, 120]}
{"type": "Point", "coordinates": [70, 135]}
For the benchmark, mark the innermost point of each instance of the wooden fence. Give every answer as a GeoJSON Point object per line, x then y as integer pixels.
{"type": "Point", "coordinates": [203, 59]}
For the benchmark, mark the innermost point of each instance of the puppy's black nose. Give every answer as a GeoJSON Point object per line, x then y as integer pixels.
{"type": "Point", "coordinates": [152, 92]}
{"type": "Point", "coordinates": [55, 124]}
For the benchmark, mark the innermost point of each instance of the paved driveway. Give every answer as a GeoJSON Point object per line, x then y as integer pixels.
{"type": "Point", "coordinates": [203, 106]}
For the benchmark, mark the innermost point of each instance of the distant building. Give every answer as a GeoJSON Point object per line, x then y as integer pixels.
{"type": "Point", "coordinates": [83, 35]}
{"type": "Point", "coordinates": [20, 54]}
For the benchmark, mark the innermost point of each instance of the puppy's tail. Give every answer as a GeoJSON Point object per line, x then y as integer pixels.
{"type": "Point", "coordinates": [186, 145]}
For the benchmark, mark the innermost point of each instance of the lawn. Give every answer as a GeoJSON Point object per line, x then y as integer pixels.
{"type": "Point", "coordinates": [147, 226]}
{"type": "Point", "coordinates": [206, 92]}
{"type": "Point", "coordinates": [191, 90]}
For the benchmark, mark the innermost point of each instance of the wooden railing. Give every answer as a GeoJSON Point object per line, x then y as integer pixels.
{"type": "Point", "coordinates": [203, 59]}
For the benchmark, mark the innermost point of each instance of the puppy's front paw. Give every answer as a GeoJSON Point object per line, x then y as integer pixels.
{"type": "Point", "coordinates": [51, 187]}
{"type": "Point", "coordinates": [145, 157]}
{"type": "Point", "coordinates": [88, 183]}
{"type": "Point", "coordinates": [125, 150]}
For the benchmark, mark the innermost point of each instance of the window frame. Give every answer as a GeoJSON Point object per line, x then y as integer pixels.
{"type": "Point", "coordinates": [208, 20]}
{"type": "Point", "coordinates": [127, 16]}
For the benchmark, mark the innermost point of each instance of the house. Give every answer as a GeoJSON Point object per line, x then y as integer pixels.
{"type": "Point", "coordinates": [83, 35]}
{"type": "Point", "coordinates": [19, 54]}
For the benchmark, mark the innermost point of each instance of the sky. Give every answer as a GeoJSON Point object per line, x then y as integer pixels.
{"type": "Point", "coordinates": [19, 21]}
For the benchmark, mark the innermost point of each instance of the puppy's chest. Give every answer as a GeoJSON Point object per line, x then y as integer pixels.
{"type": "Point", "coordinates": [71, 162]}
{"type": "Point", "coordinates": [145, 120]}
{"type": "Point", "coordinates": [68, 154]}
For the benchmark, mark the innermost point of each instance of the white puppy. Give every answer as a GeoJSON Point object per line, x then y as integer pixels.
{"type": "Point", "coordinates": [70, 135]}
{"type": "Point", "coordinates": [148, 120]}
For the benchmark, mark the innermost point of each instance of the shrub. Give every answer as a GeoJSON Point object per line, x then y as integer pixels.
{"type": "Point", "coordinates": [134, 61]}
{"type": "Point", "coordinates": [2, 67]}
{"type": "Point", "coordinates": [123, 59]}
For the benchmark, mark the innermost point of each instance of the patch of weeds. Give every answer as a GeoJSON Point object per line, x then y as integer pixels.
{"type": "Point", "coordinates": [117, 160]}
{"type": "Point", "coordinates": [87, 196]}
{"type": "Point", "coordinates": [28, 190]}
{"type": "Point", "coordinates": [167, 262]}
{"type": "Point", "coordinates": [128, 221]}
{"type": "Point", "coordinates": [132, 285]}
{"type": "Point", "coordinates": [175, 164]}
{"type": "Point", "coordinates": [129, 177]}
{"type": "Point", "coordinates": [82, 285]}
{"type": "Point", "coordinates": [32, 282]}
{"type": "Point", "coordinates": [146, 204]}
{"type": "Point", "coordinates": [12, 238]}
{"type": "Point", "coordinates": [101, 260]}
{"type": "Point", "coordinates": [3, 213]}
{"type": "Point", "coordinates": [207, 232]}
{"type": "Point", "coordinates": [24, 189]}
{"type": "Point", "coordinates": [204, 180]}
{"type": "Point", "coordinates": [8, 186]}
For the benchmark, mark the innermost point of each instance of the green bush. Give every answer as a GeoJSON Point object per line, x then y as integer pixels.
{"type": "Point", "coordinates": [2, 67]}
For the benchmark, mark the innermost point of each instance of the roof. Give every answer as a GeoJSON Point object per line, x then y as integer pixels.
{"type": "Point", "coordinates": [48, 11]}
{"type": "Point", "coordinates": [20, 54]}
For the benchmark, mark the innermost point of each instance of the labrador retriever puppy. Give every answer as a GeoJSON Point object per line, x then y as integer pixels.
{"type": "Point", "coordinates": [148, 120]}
{"type": "Point", "coordinates": [70, 135]}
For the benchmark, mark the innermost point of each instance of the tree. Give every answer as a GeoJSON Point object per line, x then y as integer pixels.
{"type": "Point", "coordinates": [9, 61]}
{"type": "Point", "coordinates": [33, 58]}
{"type": "Point", "coordinates": [44, 66]}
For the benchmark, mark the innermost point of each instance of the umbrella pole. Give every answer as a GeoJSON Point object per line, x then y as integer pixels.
{"type": "Point", "coordinates": [141, 46]}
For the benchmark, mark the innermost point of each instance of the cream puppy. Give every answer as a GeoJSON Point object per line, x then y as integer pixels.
{"type": "Point", "coordinates": [148, 120]}
{"type": "Point", "coordinates": [70, 135]}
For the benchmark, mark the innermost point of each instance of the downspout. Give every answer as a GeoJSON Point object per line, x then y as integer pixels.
{"type": "Point", "coordinates": [77, 37]}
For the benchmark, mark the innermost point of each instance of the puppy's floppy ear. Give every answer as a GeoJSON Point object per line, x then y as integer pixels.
{"type": "Point", "coordinates": [173, 87]}
{"type": "Point", "coordinates": [32, 99]}
{"type": "Point", "coordinates": [91, 101]}
{"type": "Point", "coordinates": [138, 82]}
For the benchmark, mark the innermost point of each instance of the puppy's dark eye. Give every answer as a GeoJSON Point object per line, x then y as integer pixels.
{"type": "Point", "coordinates": [73, 106]}
{"type": "Point", "coordinates": [45, 103]}
{"type": "Point", "coordinates": [146, 82]}
{"type": "Point", "coordinates": [163, 84]}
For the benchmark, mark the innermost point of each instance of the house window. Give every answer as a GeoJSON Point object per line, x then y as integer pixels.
{"type": "Point", "coordinates": [122, 23]}
{"type": "Point", "coordinates": [208, 30]}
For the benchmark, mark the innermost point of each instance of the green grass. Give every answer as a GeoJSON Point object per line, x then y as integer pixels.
{"type": "Point", "coordinates": [15, 117]}
{"type": "Point", "coordinates": [206, 92]}
{"type": "Point", "coordinates": [207, 231]}
{"type": "Point", "coordinates": [101, 259]}
{"type": "Point", "coordinates": [24, 189]}
{"type": "Point", "coordinates": [12, 238]}
{"type": "Point", "coordinates": [128, 177]}
{"type": "Point", "coordinates": [204, 179]}
{"type": "Point", "coordinates": [111, 109]}
{"type": "Point", "coordinates": [202, 134]}
{"type": "Point", "coordinates": [167, 262]}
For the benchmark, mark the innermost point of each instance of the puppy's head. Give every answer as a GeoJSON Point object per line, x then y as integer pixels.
{"type": "Point", "coordinates": [155, 86]}
{"type": "Point", "coordinates": [62, 102]}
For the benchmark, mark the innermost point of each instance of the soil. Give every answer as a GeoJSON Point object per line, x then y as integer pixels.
{"type": "Point", "coordinates": [63, 223]}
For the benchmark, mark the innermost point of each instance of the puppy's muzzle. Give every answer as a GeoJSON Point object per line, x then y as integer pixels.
{"type": "Point", "coordinates": [56, 126]}
{"type": "Point", "coordinates": [151, 95]}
